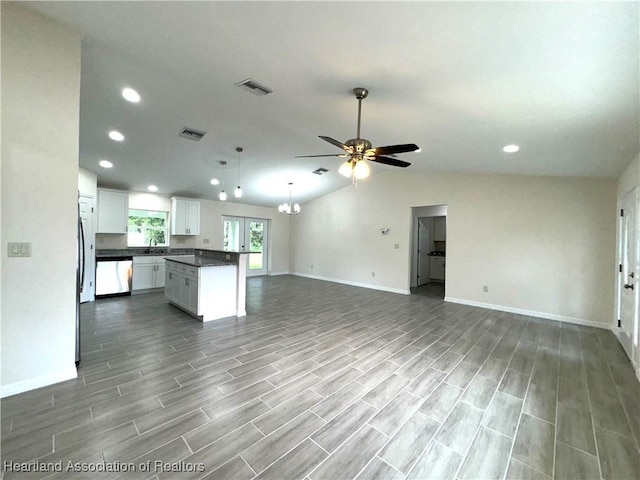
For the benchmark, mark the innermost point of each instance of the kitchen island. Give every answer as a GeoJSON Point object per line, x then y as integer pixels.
{"type": "Point", "coordinates": [208, 285]}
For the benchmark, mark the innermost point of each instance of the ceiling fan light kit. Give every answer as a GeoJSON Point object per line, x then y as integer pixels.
{"type": "Point", "coordinates": [359, 150]}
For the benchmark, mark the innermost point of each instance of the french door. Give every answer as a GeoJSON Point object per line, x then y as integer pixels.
{"type": "Point", "coordinates": [629, 297]}
{"type": "Point", "coordinates": [242, 234]}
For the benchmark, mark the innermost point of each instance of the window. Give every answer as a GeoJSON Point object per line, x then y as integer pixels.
{"type": "Point", "coordinates": [148, 227]}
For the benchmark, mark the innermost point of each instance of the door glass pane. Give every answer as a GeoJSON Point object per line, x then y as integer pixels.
{"type": "Point", "coordinates": [231, 240]}
{"type": "Point", "coordinates": [256, 238]}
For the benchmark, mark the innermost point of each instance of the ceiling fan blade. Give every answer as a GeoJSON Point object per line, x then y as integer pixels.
{"type": "Point", "coordinates": [311, 156]}
{"type": "Point", "coordinates": [337, 144]}
{"type": "Point", "coordinates": [389, 161]}
{"type": "Point", "coordinates": [391, 149]}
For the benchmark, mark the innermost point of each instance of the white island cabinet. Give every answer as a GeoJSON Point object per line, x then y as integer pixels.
{"type": "Point", "coordinates": [207, 288]}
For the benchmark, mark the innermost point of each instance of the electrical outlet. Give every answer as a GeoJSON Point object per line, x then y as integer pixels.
{"type": "Point", "coordinates": [205, 240]}
{"type": "Point", "coordinates": [485, 288]}
{"type": "Point", "coordinates": [373, 274]}
{"type": "Point", "coordinates": [180, 240]}
{"type": "Point", "coordinates": [312, 267]}
{"type": "Point", "coordinates": [396, 246]}
{"type": "Point", "coordinates": [19, 249]}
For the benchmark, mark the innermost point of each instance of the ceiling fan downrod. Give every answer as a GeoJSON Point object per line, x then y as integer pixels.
{"type": "Point", "coordinates": [360, 93]}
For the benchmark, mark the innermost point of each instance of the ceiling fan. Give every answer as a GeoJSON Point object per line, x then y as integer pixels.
{"type": "Point", "coordinates": [357, 150]}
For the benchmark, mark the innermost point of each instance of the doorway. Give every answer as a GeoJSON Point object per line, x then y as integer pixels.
{"type": "Point", "coordinates": [88, 267]}
{"type": "Point", "coordinates": [628, 295]}
{"type": "Point", "coordinates": [243, 234]}
{"type": "Point", "coordinates": [428, 262]}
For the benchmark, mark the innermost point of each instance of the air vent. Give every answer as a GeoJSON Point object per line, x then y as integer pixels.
{"type": "Point", "coordinates": [320, 171]}
{"type": "Point", "coordinates": [191, 134]}
{"type": "Point", "coordinates": [250, 85]}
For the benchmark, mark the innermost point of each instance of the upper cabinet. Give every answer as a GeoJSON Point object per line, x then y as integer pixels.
{"type": "Point", "coordinates": [440, 229]}
{"type": "Point", "coordinates": [113, 211]}
{"type": "Point", "coordinates": [185, 217]}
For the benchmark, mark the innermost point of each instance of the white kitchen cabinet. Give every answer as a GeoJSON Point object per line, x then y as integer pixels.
{"type": "Point", "coordinates": [185, 217]}
{"type": "Point", "coordinates": [172, 284]}
{"type": "Point", "coordinates": [440, 229]}
{"type": "Point", "coordinates": [148, 272]}
{"type": "Point", "coordinates": [182, 286]}
{"type": "Point", "coordinates": [437, 268]}
{"type": "Point", "coordinates": [113, 211]}
{"type": "Point", "coordinates": [208, 293]}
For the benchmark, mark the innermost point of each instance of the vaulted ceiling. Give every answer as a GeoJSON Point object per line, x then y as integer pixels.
{"type": "Point", "coordinates": [461, 80]}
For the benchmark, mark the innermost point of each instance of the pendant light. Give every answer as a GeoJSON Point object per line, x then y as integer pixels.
{"type": "Point", "coordinates": [238, 191]}
{"type": "Point", "coordinates": [222, 196]}
{"type": "Point", "coordinates": [289, 208]}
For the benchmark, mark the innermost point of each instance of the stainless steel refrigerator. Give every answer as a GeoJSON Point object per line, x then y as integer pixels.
{"type": "Point", "coordinates": [80, 274]}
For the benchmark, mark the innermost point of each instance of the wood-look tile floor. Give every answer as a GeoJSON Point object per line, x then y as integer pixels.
{"type": "Point", "coordinates": [322, 380]}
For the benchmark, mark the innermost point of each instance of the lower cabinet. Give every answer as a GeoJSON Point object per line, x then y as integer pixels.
{"type": "Point", "coordinates": [148, 272]}
{"type": "Point", "coordinates": [208, 293]}
{"type": "Point", "coordinates": [181, 286]}
{"type": "Point", "coordinates": [437, 269]}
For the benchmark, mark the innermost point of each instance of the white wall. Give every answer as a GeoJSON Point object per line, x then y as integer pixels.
{"type": "Point", "coordinates": [87, 183]}
{"type": "Point", "coordinates": [544, 245]}
{"type": "Point", "coordinates": [210, 237]}
{"type": "Point", "coordinates": [40, 114]}
{"type": "Point", "coordinates": [630, 178]}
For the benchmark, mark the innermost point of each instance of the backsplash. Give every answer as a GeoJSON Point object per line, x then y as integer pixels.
{"type": "Point", "coordinates": [119, 241]}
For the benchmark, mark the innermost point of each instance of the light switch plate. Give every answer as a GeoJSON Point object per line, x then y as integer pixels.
{"type": "Point", "coordinates": [19, 249]}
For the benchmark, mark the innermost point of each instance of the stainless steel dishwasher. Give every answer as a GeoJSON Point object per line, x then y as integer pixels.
{"type": "Point", "coordinates": [113, 276]}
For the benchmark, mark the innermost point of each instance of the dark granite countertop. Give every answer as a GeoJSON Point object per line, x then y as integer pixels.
{"type": "Point", "coordinates": [142, 252]}
{"type": "Point", "coordinates": [198, 261]}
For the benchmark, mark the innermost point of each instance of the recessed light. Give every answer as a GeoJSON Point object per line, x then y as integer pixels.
{"type": "Point", "coordinates": [116, 136]}
{"type": "Point", "coordinates": [131, 95]}
{"type": "Point", "coordinates": [152, 188]}
{"type": "Point", "coordinates": [105, 164]}
{"type": "Point", "coordinates": [510, 148]}
{"type": "Point", "coordinates": [215, 181]}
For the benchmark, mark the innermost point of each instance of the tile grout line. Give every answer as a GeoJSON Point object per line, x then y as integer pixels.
{"type": "Point", "coordinates": [515, 433]}
{"type": "Point", "coordinates": [624, 409]}
{"type": "Point", "coordinates": [484, 414]}
{"type": "Point", "coordinates": [459, 400]}
{"type": "Point", "coordinates": [555, 426]}
{"type": "Point", "coordinates": [593, 423]}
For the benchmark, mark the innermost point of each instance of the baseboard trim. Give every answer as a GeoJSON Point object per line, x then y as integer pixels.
{"type": "Point", "coordinates": [353, 284]}
{"type": "Point", "coordinates": [530, 313]}
{"type": "Point", "coordinates": [38, 382]}
{"type": "Point", "coordinates": [275, 274]}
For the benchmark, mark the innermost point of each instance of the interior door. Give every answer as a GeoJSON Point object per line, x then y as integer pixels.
{"type": "Point", "coordinates": [87, 217]}
{"type": "Point", "coordinates": [241, 234]}
{"type": "Point", "coordinates": [423, 252]}
{"type": "Point", "coordinates": [628, 290]}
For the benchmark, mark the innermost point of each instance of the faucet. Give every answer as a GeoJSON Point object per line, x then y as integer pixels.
{"type": "Point", "coordinates": [149, 249]}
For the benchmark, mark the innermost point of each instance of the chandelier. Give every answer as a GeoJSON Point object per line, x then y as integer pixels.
{"type": "Point", "coordinates": [289, 208]}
